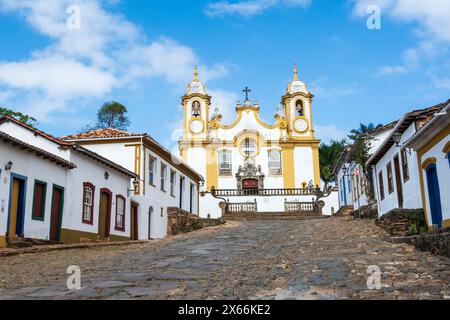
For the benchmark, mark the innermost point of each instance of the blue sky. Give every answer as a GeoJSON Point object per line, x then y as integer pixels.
{"type": "Point", "coordinates": [142, 53]}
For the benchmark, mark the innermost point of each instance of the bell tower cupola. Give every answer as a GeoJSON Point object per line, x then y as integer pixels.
{"type": "Point", "coordinates": [297, 104]}
{"type": "Point", "coordinates": [196, 103]}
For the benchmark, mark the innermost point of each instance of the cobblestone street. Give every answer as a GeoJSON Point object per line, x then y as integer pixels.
{"type": "Point", "coordinates": [311, 259]}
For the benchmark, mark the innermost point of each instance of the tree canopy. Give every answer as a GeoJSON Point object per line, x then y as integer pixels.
{"type": "Point", "coordinates": [18, 115]}
{"type": "Point", "coordinates": [329, 155]}
{"type": "Point", "coordinates": [113, 115]}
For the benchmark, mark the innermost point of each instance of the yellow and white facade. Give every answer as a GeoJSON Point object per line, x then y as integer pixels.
{"type": "Point", "coordinates": [279, 155]}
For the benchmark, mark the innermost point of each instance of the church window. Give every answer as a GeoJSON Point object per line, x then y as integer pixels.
{"type": "Point", "coordinates": [120, 213]}
{"type": "Point", "coordinates": [390, 178]}
{"type": "Point", "coordinates": [274, 162]}
{"type": "Point", "coordinates": [88, 203]}
{"type": "Point", "coordinates": [299, 108]}
{"type": "Point", "coordinates": [249, 147]}
{"type": "Point", "coordinates": [196, 109]}
{"type": "Point", "coordinates": [225, 167]}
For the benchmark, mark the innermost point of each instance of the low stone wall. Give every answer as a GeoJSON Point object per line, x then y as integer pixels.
{"type": "Point", "coordinates": [181, 221]}
{"type": "Point", "coordinates": [437, 242]}
{"type": "Point", "coordinates": [365, 213]}
{"type": "Point", "coordinates": [402, 222]}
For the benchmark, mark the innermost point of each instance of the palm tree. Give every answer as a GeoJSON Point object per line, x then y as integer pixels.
{"type": "Point", "coordinates": [363, 129]}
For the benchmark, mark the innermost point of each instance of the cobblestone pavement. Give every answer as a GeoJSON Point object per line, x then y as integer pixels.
{"type": "Point", "coordinates": [312, 259]}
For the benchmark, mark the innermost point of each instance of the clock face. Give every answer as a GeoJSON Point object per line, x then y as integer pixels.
{"type": "Point", "coordinates": [196, 126]}
{"type": "Point", "coordinates": [301, 125]}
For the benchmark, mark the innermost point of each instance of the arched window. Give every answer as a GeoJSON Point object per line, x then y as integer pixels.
{"type": "Point", "coordinates": [88, 203]}
{"type": "Point", "coordinates": [120, 213]}
{"type": "Point", "coordinates": [275, 162]}
{"type": "Point", "coordinates": [225, 166]}
{"type": "Point", "coordinates": [299, 108]}
{"type": "Point", "coordinates": [196, 109]}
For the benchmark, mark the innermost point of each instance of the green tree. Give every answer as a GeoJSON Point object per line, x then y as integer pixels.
{"type": "Point", "coordinates": [329, 155]}
{"type": "Point", "coordinates": [18, 115]}
{"type": "Point", "coordinates": [110, 115]}
{"type": "Point", "coordinates": [363, 129]}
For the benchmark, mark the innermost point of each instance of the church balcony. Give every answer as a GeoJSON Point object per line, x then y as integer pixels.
{"type": "Point", "coordinates": [263, 192]}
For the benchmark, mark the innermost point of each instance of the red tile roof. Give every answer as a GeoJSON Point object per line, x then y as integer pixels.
{"type": "Point", "coordinates": [102, 134]}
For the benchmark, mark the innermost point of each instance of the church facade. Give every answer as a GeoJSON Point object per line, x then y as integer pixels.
{"type": "Point", "coordinates": [250, 154]}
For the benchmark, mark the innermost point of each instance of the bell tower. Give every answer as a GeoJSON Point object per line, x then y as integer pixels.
{"type": "Point", "coordinates": [196, 103]}
{"type": "Point", "coordinates": [297, 104]}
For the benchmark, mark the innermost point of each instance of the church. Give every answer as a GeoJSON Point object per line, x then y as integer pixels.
{"type": "Point", "coordinates": [250, 154]}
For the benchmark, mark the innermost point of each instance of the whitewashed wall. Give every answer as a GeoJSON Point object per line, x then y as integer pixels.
{"type": "Point", "coordinates": [443, 171]}
{"type": "Point", "coordinates": [411, 189]}
{"type": "Point", "coordinates": [33, 168]}
{"type": "Point", "coordinates": [91, 171]}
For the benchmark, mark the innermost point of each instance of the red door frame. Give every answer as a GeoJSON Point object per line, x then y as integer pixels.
{"type": "Point", "coordinates": [108, 212]}
{"type": "Point", "coordinates": [134, 225]}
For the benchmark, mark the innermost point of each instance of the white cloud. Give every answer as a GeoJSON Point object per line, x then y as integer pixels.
{"type": "Point", "coordinates": [226, 103]}
{"type": "Point", "coordinates": [248, 8]}
{"type": "Point", "coordinates": [106, 53]}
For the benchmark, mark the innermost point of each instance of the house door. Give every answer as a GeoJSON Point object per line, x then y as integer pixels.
{"type": "Point", "coordinates": [134, 232]}
{"type": "Point", "coordinates": [16, 216]}
{"type": "Point", "coordinates": [104, 215]}
{"type": "Point", "coordinates": [191, 198]}
{"type": "Point", "coordinates": [398, 180]}
{"type": "Point", "coordinates": [56, 213]}
{"type": "Point", "coordinates": [434, 195]}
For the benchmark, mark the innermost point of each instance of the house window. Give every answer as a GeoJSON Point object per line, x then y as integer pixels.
{"type": "Point", "coordinates": [40, 192]}
{"type": "Point", "coordinates": [225, 163]}
{"type": "Point", "coordinates": [88, 203]}
{"type": "Point", "coordinates": [120, 213]}
{"type": "Point", "coordinates": [405, 168]}
{"type": "Point", "coordinates": [380, 179]}
{"type": "Point", "coordinates": [163, 177]}
{"type": "Point", "coordinates": [275, 162]}
{"type": "Point", "coordinates": [390, 178]}
{"type": "Point", "coordinates": [172, 183]}
{"type": "Point", "coordinates": [151, 171]}
{"type": "Point", "coordinates": [249, 147]}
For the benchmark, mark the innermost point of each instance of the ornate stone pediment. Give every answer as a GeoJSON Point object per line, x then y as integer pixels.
{"type": "Point", "coordinates": [249, 176]}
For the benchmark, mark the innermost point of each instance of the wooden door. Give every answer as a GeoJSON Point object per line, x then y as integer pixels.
{"type": "Point", "coordinates": [134, 231]}
{"type": "Point", "coordinates": [434, 195]}
{"type": "Point", "coordinates": [14, 209]}
{"type": "Point", "coordinates": [102, 216]}
{"type": "Point", "coordinates": [56, 213]}
{"type": "Point", "coordinates": [398, 179]}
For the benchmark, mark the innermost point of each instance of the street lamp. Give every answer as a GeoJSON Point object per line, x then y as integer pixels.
{"type": "Point", "coordinates": [8, 166]}
{"type": "Point", "coordinates": [135, 186]}
{"type": "Point", "coordinates": [397, 138]}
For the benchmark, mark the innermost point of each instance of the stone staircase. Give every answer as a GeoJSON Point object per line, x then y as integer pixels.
{"type": "Point", "coordinates": [345, 211]}
{"type": "Point", "coordinates": [272, 216]}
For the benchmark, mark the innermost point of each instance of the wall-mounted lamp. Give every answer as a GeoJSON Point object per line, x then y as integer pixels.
{"type": "Point", "coordinates": [397, 138]}
{"type": "Point", "coordinates": [106, 175]}
{"type": "Point", "coordinates": [135, 186]}
{"type": "Point", "coordinates": [9, 166]}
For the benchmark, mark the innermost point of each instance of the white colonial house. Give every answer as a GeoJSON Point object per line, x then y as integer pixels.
{"type": "Point", "coordinates": [349, 175]}
{"type": "Point", "coordinates": [57, 191]}
{"type": "Point", "coordinates": [251, 164]}
{"type": "Point", "coordinates": [394, 164]}
{"type": "Point", "coordinates": [163, 179]}
{"type": "Point", "coordinates": [432, 145]}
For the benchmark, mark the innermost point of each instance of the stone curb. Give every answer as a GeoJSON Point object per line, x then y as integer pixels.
{"type": "Point", "coordinates": [42, 249]}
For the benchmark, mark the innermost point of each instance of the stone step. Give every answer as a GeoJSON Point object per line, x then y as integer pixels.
{"type": "Point", "coordinates": [272, 216]}
{"type": "Point", "coordinates": [20, 243]}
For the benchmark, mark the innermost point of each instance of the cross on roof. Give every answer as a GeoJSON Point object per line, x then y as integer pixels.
{"type": "Point", "coordinates": [246, 90]}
